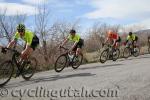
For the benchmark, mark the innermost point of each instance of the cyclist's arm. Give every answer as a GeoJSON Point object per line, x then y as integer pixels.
{"type": "Point", "coordinates": [64, 42]}
{"type": "Point", "coordinates": [29, 37]}
{"type": "Point", "coordinates": [13, 41]}
{"type": "Point", "coordinates": [11, 44]}
{"type": "Point", "coordinates": [106, 41]}
{"type": "Point", "coordinates": [127, 39]}
{"type": "Point", "coordinates": [74, 45]}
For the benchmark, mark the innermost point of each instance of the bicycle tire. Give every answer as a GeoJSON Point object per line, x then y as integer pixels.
{"type": "Point", "coordinates": [105, 57]}
{"type": "Point", "coordinates": [10, 72]}
{"type": "Point", "coordinates": [56, 66]}
{"type": "Point", "coordinates": [29, 68]}
{"type": "Point", "coordinates": [126, 50]}
{"type": "Point", "coordinates": [118, 54]}
{"type": "Point", "coordinates": [137, 53]}
{"type": "Point", "coordinates": [74, 65]}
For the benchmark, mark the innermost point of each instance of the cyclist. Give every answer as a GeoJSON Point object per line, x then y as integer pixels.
{"type": "Point", "coordinates": [78, 42]}
{"type": "Point", "coordinates": [31, 40]}
{"type": "Point", "coordinates": [132, 39]}
{"type": "Point", "coordinates": [113, 39]}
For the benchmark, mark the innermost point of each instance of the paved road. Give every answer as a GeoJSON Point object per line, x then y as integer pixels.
{"type": "Point", "coordinates": [121, 80]}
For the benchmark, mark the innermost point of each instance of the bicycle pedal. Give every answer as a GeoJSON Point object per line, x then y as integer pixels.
{"type": "Point", "coordinates": [110, 57]}
{"type": "Point", "coordinates": [70, 63]}
{"type": "Point", "coordinates": [28, 62]}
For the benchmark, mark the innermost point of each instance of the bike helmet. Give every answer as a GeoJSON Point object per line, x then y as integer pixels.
{"type": "Point", "coordinates": [72, 31]}
{"type": "Point", "coordinates": [21, 27]}
{"type": "Point", "coordinates": [130, 33]}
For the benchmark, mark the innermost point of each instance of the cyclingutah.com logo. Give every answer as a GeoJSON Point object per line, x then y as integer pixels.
{"type": "Point", "coordinates": [43, 92]}
{"type": "Point", "coordinates": [3, 92]}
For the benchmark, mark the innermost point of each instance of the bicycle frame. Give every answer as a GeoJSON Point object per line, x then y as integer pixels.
{"type": "Point", "coordinates": [15, 52]}
{"type": "Point", "coordinates": [68, 53]}
{"type": "Point", "coordinates": [109, 49]}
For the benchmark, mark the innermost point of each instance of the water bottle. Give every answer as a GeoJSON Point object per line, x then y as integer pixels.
{"type": "Point", "coordinates": [70, 57]}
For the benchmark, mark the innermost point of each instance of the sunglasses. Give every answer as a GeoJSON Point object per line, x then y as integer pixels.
{"type": "Point", "coordinates": [20, 31]}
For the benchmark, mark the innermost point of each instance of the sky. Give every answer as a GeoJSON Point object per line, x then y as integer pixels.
{"type": "Point", "coordinates": [123, 12]}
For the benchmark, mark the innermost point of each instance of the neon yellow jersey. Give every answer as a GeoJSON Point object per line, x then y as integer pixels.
{"type": "Point", "coordinates": [27, 37]}
{"type": "Point", "coordinates": [76, 38]}
{"type": "Point", "coordinates": [131, 38]}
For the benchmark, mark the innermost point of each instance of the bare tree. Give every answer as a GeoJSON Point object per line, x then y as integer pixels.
{"type": "Point", "coordinates": [8, 23]}
{"type": "Point", "coordinates": [41, 22]}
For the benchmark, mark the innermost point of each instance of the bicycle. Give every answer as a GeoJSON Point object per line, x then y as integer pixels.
{"type": "Point", "coordinates": [26, 68]}
{"type": "Point", "coordinates": [131, 50]}
{"type": "Point", "coordinates": [66, 59]}
{"type": "Point", "coordinates": [109, 53]}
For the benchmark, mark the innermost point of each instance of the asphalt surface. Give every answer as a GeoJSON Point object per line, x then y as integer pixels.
{"type": "Point", "coordinates": [125, 79]}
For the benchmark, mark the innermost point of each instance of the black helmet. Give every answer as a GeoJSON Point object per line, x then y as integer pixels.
{"type": "Point", "coordinates": [72, 31]}
{"type": "Point", "coordinates": [21, 27]}
{"type": "Point", "coordinates": [130, 33]}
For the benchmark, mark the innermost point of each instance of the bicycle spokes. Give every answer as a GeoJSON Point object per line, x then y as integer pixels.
{"type": "Point", "coordinates": [29, 68]}
{"type": "Point", "coordinates": [77, 61]}
{"type": "Point", "coordinates": [61, 63]}
{"type": "Point", "coordinates": [6, 71]}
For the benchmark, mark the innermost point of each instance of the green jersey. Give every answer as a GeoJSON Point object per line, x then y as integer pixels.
{"type": "Point", "coordinates": [131, 38]}
{"type": "Point", "coordinates": [28, 36]}
{"type": "Point", "coordinates": [76, 38]}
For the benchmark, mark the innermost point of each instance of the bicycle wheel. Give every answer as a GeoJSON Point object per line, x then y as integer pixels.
{"type": "Point", "coordinates": [126, 52]}
{"type": "Point", "coordinates": [77, 61]}
{"type": "Point", "coordinates": [6, 72]}
{"type": "Point", "coordinates": [29, 68]}
{"type": "Point", "coordinates": [104, 56]}
{"type": "Point", "coordinates": [60, 63]}
{"type": "Point", "coordinates": [116, 54]}
{"type": "Point", "coordinates": [136, 52]}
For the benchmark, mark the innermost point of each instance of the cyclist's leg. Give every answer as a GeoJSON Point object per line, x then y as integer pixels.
{"type": "Point", "coordinates": [29, 49]}
{"type": "Point", "coordinates": [115, 46]}
{"type": "Point", "coordinates": [135, 42]}
{"type": "Point", "coordinates": [79, 47]}
{"type": "Point", "coordinates": [132, 46]}
{"type": "Point", "coordinates": [25, 54]}
{"type": "Point", "coordinates": [74, 49]}
{"type": "Point", "coordinates": [78, 51]}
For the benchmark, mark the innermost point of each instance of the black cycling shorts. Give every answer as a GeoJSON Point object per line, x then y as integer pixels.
{"type": "Point", "coordinates": [136, 38]}
{"type": "Point", "coordinates": [35, 42]}
{"type": "Point", "coordinates": [80, 44]}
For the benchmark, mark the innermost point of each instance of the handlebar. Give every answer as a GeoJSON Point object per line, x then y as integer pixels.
{"type": "Point", "coordinates": [4, 50]}
{"type": "Point", "coordinates": [64, 48]}
{"type": "Point", "coordinates": [108, 45]}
